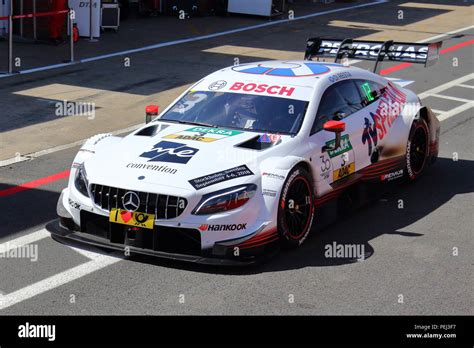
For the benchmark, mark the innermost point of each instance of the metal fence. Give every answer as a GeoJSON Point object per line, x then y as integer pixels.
{"type": "Point", "coordinates": [34, 15]}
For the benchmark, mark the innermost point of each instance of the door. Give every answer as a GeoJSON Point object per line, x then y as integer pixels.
{"type": "Point", "coordinates": [341, 101]}
{"type": "Point", "coordinates": [371, 131]}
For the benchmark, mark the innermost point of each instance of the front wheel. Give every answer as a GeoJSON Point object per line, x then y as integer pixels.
{"type": "Point", "coordinates": [417, 150]}
{"type": "Point", "coordinates": [296, 208]}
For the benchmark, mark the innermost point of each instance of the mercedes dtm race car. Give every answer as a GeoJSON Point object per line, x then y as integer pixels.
{"type": "Point", "coordinates": [241, 161]}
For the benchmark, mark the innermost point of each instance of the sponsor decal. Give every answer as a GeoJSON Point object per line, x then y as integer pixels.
{"type": "Point", "coordinates": [73, 204]}
{"type": "Point", "coordinates": [286, 69]}
{"type": "Point", "coordinates": [408, 159]}
{"type": "Point", "coordinates": [262, 88]}
{"type": "Point", "coordinates": [270, 193]}
{"type": "Point", "coordinates": [368, 49]}
{"type": "Point", "coordinates": [216, 131]}
{"type": "Point", "coordinates": [392, 176]}
{"type": "Point", "coordinates": [273, 176]}
{"type": "Point", "coordinates": [390, 107]}
{"type": "Point", "coordinates": [203, 134]}
{"type": "Point", "coordinates": [339, 76]}
{"type": "Point", "coordinates": [269, 138]}
{"type": "Point", "coordinates": [196, 137]}
{"type": "Point", "coordinates": [167, 151]}
{"type": "Point", "coordinates": [216, 178]}
{"type": "Point", "coordinates": [326, 166]}
{"type": "Point", "coordinates": [344, 146]}
{"type": "Point", "coordinates": [132, 218]}
{"type": "Point", "coordinates": [101, 137]}
{"type": "Point", "coordinates": [154, 167]}
{"type": "Point", "coordinates": [229, 227]}
{"type": "Point", "coordinates": [217, 85]}
{"type": "Point", "coordinates": [433, 53]}
{"type": "Point", "coordinates": [343, 171]}
{"type": "Point", "coordinates": [86, 150]}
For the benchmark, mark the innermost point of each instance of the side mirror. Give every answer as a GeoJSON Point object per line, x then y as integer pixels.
{"type": "Point", "coordinates": [151, 111]}
{"type": "Point", "coordinates": [336, 127]}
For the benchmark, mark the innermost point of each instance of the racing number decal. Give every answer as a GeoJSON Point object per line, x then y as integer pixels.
{"type": "Point", "coordinates": [325, 166]}
{"type": "Point", "coordinates": [343, 165]}
{"type": "Point", "coordinates": [190, 103]}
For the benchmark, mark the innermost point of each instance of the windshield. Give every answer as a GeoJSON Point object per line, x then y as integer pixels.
{"type": "Point", "coordinates": [241, 111]}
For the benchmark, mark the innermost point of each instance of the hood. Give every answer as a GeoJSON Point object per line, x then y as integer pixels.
{"type": "Point", "coordinates": [182, 156]}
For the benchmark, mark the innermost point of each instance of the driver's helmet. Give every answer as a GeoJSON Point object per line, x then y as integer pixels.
{"type": "Point", "coordinates": [244, 110]}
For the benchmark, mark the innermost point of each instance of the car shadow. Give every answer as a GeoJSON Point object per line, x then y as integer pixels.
{"type": "Point", "coordinates": [382, 215]}
{"type": "Point", "coordinates": [25, 210]}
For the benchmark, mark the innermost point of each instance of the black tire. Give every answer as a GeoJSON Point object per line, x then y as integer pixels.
{"type": "Point", "coordinates": [296, 208]}
{"type": "Point", "coordinates": [416, 156]}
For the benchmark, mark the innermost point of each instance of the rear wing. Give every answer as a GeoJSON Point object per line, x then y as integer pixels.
{"type": "Point", "coordinates": [378, 51]}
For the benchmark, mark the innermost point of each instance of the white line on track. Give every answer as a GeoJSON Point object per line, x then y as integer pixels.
{"type": "Point", "coordinates": [198, 38]}
{"type": "Point", "coordinates": [24, 240]}
{"type": "Point", "coordinates": [446, 86]}
{"type": "Point", "coordinates": [57, 280]}
{"type": "Point", "coordinates": [455, 111]}
{"type": "Point", "coordinates": [451, 98]}
{"type": "Point", "coordinates": [446, 34]}
{"type": "Point", "coordinates": [97, 261]}
{"type": "Point", "coordinates": [91, 252]}
{"type": "Point", "coordinates": [32, 155]}
{"type": "Point", "coordinates": [435, 92]}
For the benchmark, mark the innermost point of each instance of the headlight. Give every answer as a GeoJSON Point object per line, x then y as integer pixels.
{"type": "Point", "coordinates": [80, 181]}
{"type": "Point", "coordinates": [225, 200]}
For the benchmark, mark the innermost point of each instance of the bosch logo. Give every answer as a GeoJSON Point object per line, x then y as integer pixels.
{"type": "Point", "coordinates": [217, 85]}
{"type": "Point", "coordinates": [131, 201]}
{"type": "Point", "coordinates": [262, 88]}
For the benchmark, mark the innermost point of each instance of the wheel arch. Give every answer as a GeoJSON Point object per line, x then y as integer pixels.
{"type": "Point", "coordinates": [425, 113]}
{"type": "Point", "coordinates": [275, 171]}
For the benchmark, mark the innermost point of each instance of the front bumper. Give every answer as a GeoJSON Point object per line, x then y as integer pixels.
{"type": "Point", "coordinates": [64, 229]}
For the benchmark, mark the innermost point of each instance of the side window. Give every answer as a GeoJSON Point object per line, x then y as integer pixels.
{"type": "Point", "coordinates": [371, 91]}
{"type": "Point", "coordinates": [338, 101]}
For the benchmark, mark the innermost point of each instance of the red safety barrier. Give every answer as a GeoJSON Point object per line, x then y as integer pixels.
{"type": "Point", "coordinates": [31, 15]}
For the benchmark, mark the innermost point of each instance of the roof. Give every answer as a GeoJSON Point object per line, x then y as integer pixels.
{"type": "Point", "coordinates": [279, 68]}
{"type": "Point", "coordinates": [284, 79]}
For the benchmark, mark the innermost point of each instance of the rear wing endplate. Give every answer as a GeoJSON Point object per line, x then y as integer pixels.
{"type": "Point", "coordinates": [378, 51]}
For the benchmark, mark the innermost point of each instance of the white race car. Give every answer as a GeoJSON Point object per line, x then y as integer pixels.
{"type": "Point", "coordinates": [240, 163]}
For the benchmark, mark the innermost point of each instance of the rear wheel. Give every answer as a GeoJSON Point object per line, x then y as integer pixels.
{"type": "Point", "coordinates": [417, 150]}
{"type": "Point", "coordinates": [296, 208]}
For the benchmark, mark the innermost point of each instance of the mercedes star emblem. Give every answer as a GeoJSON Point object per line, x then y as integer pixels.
{"type": "Point", "coordinates": [131, 201]}
{"type": "Point", "coordinates": [217, 85]}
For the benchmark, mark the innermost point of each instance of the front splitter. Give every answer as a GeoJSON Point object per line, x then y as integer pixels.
{"type": "Point", "coordinates": [62, 234]}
